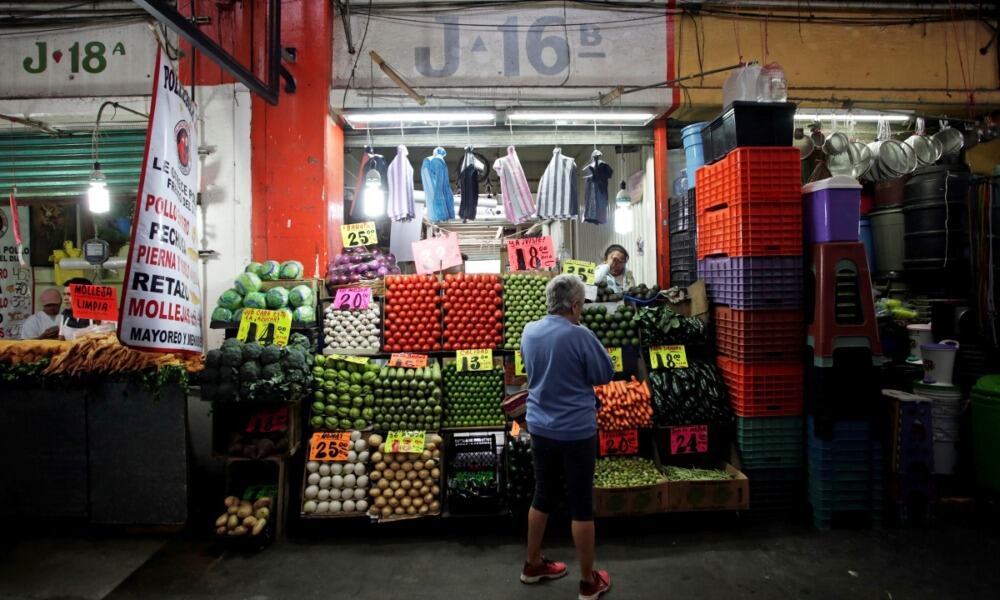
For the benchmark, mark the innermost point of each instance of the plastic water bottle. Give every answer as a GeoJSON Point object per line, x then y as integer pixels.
{"type": "Point", "coordinates": [771, 84]}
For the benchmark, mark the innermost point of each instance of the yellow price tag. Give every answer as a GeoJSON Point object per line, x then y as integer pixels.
{"type": "Point", "coordinates": [265, 326]}
{"type": "Point", "coordinates": [358, 234]}
{"type": "Point", "coordinates": [474, 360]}
{"type": "Point", "coordinates": [668, 357]}
{"type": "Point", "coordinates": [361, 360]}
{"type": "Point", "coordinates": [582, 268]}
{"type": "Point", "coordinates": [410, 442]}
{"type": "Point", "coordinates": [519, 369]}
{"type": "Point", "coordinates": [616, 359]}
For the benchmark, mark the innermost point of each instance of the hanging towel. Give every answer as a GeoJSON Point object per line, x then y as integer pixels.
{"type": "Point", "coordinates": [401, 186]}
{"type": "Point", "coordinates": [597, 174]}
{"type": "Point", "coordinates": [439, 199]}
{"type": "Point", "coordinates": [557, 193]}
{"type": "Point", "coordinates": [517, 202]}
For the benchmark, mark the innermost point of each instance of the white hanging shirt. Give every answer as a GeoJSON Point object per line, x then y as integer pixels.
{"type": "Point", "coordinates": [557, 192]}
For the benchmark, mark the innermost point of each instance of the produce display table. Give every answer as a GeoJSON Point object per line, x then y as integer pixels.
{"type": "Point", "coordinates": [108, 451]}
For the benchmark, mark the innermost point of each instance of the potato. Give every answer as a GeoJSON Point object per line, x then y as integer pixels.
{"type": "Point", "coordinates": [436, 455]}
{"type": "Point", "coordinates": [414, 493]}
{"type": "Point", "coordinates": [221, 521]}
{"type": "Point", "coordinates": [376, 458]}
{"type": "Point", "coordinates": [418, 502]}
{"type": "Point", "coordinates": [423, 509]}
{"type": "Point", "coordinates": [259, 526]}
{"type": "Point", "coordinates": [412, 475]}
{"type": "Point", "coordinates": [374, 440]}
{"type": "Point", "coordinates": [436, 439]}
{"type": "Point", "coordinates": [412, 457]}
{"type": "Point", "coordinates": [381, 502]}
{"type": "Point", "coordinates": [393, 502]}
{"type": "Point", "coordinates": [399, 510]}
{"type": "Point", "coordinates": [221, 530]}
{"type": "Point", "coordinates": [429, 464]}
{"type": "Point", "coordinates": [411, 510]}
{"type": "Point", "coordinates": [395, 485]}
{"type": "Point", "coordinates": [232, 522]}
{"type": "Point", "coordinates": [424, 490]}
{"type": "Point", "coordinates": [389, 473]}
{"type": "Point", "coordinates": [232, 501]}
{"type": "Point", "coordinates": [381, 466]}
{"type": "Point", "coordinates": [381, 448]}
{"type": "Point", "coordinates": [374, 492]}
{"type": "Point", "coordinates": [241, 530]}
{"type": "Point", "coordinates": [250, 521]}
{"type": "Point", "coordinates": [262, 513]}
{"type": "Point", "coordinates": [399, 493]}
{"type": "Point", "coordinates": [425, 455]}
{"type": "Point", "coordinates": [262, 502]}
{"type": "Point", "coordinates": [435, 506]}
{"type": "Point", "coordinates": [406, 502]}
{"type": "Point", "coordinates": [435, 473]}
{"type": "Point", "coordinates": [400, 475]}
{"type": "Point", "coordinates": [245, 510]}
{"type": "Point", "coordinates": [435, 490]}
{"type": "Point", "coordinates": [383, 484]}
{"type": "Point", "coordinates": [406, 484]}
{"type": "Point", "coordinates": [387, 511]}
{"type": "Point", "coordinates": [423, 474]}
{"type": "Point", "coordinates": [394, 466]}
{"type": "Point", "coordinates": [375, 475]}
{"type": "Point", "coordinates": [407, 466]}
{"type": "Point", "coordinates": [232, 510]}
{"type": "Point", "coordinates": [431, 447]}
{"type": "Point", "coordinates": [429, 498]}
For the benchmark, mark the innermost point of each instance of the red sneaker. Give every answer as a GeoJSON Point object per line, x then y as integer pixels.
{"type": "Point", "coordinates": [548, 569]}
{"type": "Point", "coordinates": [598, 584]}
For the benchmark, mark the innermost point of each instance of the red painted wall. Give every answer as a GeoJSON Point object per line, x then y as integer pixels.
{"type": "Point", "coordinates": [296, 147]}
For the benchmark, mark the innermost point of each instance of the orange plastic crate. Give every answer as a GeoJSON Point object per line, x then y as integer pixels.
{"type": "Point", "coordinates": [759, 335]}
{"type": "Point", "coordinates": [750, 229]}
{"type": "Point", "coordinates": [771, 175]}
{"type": "Point", "coordinates": [771, 389]}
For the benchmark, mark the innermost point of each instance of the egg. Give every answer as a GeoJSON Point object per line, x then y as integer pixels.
{"type": "Point", "coordinates": [349, 506]}
{"type": "Point", "coordinates": [324, 482]}
{"type": "Point", "coordinates": [350, 481]}
{"type": "Point", "coordinates": [363, 456]}
{"type": "Point", "coordinates": [349, 468]}
{"type": "Point", "coordinates": [313, 478]}
{"type": "Point", "coordinates": [323, 507]}
{"type": "Point", "coordinates": [359, 469]}
{"type": "Point", "coordinates": [360, 445]}
{"type": "Point", "coordinates": [312, 466]}
{"type": "Point", "coordinates": [352, 456]}
{"type": "Point", "coordinates": [337, 481]}
{"type": "Point", "coordinates": [324, 470]}
{"type": "Point", "coordinates": [309, 507]}
{"type": "Point", "coordinates": [323, 495]}
{"type": "Point", "coordinates": [334, 494]}
{"type": "Point", "coordinates": [311, 492]}
{"type": "Point", "coordinates": [336, 506]}
{"type": "Point", "coordinates": [361, 506]}
{"type": "Point", "coordinates": [359, 493]}
{"type": "Point", "coordinates": [362, 482]}
{"type": "Point", "coordinates": [336, 469]}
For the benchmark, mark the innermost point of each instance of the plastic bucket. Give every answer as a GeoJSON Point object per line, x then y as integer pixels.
{"type": "Point", "coordinates": [831, 210]}
{"type": "Point", "coordinates": [693, 150]}
{"type": "Point", "coordinates": [888, 230]}
{"type": "Point", "coordinates": [939, 361]}
{"type": "Point", "coordinates": [985, 425]}
{"type": "Point", "coordinates": [919, 333]}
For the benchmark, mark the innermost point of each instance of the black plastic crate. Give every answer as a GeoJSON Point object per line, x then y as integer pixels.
{"type": "Point", "coordinates": [682, 278]}
{"type": "Point", "coordinates": [848, 390]}
{"type": "Point", "coordinates": [748, 124]}
{"type": "Point", "coordinates": [682, 213]}
{"type": "Point", "coordinates": [684, 245]}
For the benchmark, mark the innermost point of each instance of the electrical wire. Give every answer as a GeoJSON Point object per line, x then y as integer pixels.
{"type": "Point", "coordinates": [361, 46]}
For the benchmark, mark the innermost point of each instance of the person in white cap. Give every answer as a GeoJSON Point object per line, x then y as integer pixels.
{"type": "Point", "coordinates": [44, 324]}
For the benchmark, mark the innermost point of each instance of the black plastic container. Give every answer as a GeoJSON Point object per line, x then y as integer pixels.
{"type": "Point", "coordinates": [682, 278]}
{"type": "Point", "coordinates": [682, 214]}
{"type": "Point", "coordinates": [931, 184]}
{"type": "Point", "coordinates": [748, 124]}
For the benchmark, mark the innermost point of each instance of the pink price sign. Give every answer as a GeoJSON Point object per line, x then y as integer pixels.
{"type": "Point", "coordinates": [437, 254]}
{"type": "Point", "coordinates": [352, 299]}
{"type": "Point", "coordinates": [689, 439]}
{"type": "Point", "coordinates": [530, 254]}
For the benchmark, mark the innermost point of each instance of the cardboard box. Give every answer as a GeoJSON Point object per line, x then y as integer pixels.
{"type": "Point", "coordinates": [641, 500]}
{"type": "Point", "coordinates": [688, 496]}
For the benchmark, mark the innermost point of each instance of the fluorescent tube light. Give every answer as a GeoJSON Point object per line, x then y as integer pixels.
{"type": "Point", "coordinates": [856, 116]}
{"type": "Point", "coordinates": [582, 117]}
{"type": "Point", "coordinates": [98, 197]}
{"type": "Point", "coordinates": [422, 116]}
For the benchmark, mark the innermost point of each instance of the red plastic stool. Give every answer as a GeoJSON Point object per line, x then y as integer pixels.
{"type": "Point", "coordinates": [843, 311]}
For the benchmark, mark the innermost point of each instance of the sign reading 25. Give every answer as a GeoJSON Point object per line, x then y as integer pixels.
{"type": "Point", "coordinates": [91, 57]}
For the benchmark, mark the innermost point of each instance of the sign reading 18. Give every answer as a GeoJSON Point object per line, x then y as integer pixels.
{"type": "Point", "coordinates": [91, 57]}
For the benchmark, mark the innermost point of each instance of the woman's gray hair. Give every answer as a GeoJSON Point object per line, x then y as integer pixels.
{"type": "Point", "coordinates": [562, 292]}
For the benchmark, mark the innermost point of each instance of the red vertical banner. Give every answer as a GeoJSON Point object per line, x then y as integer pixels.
{"type": "Point", "coordinates": [162, 304]}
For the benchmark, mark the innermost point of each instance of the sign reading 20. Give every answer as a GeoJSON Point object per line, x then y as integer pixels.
{"type": "Point", "coordinates": [91, 57]}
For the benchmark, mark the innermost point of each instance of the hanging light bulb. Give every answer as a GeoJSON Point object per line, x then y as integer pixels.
{"type": "Point", "coordinates": [374, 203]}
{"type": "Point", "coordinates": [623, 218]}
{"type": "Point", "coordinates": [622, 199]}
{"type": "Point", "coordinates": [98, 198]}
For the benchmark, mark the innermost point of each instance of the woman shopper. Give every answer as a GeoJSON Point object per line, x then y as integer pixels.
{"type": "Point", "coordinates": [564, 361]}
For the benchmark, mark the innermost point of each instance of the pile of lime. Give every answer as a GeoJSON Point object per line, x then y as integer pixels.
{"type": "Point", "coordinates": [524, 302]}
{"type": "Point", "coordinates": [472, 398]}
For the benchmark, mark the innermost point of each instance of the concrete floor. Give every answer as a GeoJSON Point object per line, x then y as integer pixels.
{"type": "Point", "coordinates": [691, 557]}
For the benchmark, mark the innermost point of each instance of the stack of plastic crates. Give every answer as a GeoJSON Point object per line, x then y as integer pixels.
{"type": "Point", "coordinates": [749, 214]}
{"type": "Point", "coordinates": [846, 468]}
{"type": "Point", "coordinates": [910, 439]}
{"type": "Point", "coordinates": [473, 474]}
{"type": "Point", "coordinates": [683, 240]}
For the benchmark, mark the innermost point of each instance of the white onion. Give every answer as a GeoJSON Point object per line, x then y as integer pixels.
{"type": "Point", "coordinates": [324, 482]}
{"type": "Point", "coordinates": [324, 470]}
{"type": "Point", "coordinates": [312, 466]}
{"type": "Point", "coordinates": [338, 481]}
{"type": "Point", "coordinates": [309, 507]}
{"type": "Point", "coordinates": [323, 507]}
{"type": "Point", "coordinates": [311, 492]}
{"type": "Point", "coordinates": [336, 469]}
{"type": "Point", "coordinates": [313, 478]}
{"type": "Point", "coordinates": [323, 495]}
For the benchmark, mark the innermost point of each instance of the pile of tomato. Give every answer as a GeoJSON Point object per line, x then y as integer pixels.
{"type": "Point", "coordinates": [412, 313]}
{"type": "Point", "coordinates": [473, 312]}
